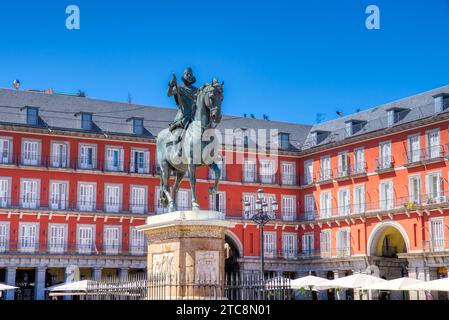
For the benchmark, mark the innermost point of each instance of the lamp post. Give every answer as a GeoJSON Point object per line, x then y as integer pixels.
{"type": "Point", "coordinates": [261, 216]}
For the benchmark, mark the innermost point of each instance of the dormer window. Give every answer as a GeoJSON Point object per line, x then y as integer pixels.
{"type": "Point", "coordinates": [313, 139]}
{"type": "Point", "coordinates": [138, 126]}
{"type": "Point", "coordinates": [349, 128]}
{"type": "Point", "coordinates": [86, 121]}
{"type": "Point", "coordinates": [32, 116]}
{"type": "Point", "coordinates": [284, 141]}
{"type": "Point", "coordinates": [353, 126]}
{"type": "Point", "coordinates": [394, 115]}
{"type": "Point", "coordinates": [441, 102]}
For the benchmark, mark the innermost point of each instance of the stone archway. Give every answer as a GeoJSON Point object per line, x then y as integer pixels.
{"type": "Point", "coordinates": [387, 240]}
{"type": "Point", "coordinates": [233, 251]}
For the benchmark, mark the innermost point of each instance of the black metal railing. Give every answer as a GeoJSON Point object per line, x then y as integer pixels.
{"type": "Point", "coordinates": [325, 176]}
{"type": "Point", "coordinates": [433, 153]}
{"type": "Point", "coordinates": [385, 163]}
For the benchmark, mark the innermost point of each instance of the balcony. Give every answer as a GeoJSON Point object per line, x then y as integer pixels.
{"type": "Point", "coordinates": [69, 248]}
{"type": "Point", "coordinates": [350, 172]}
{"type": "Point", "coordinates": [328, 253]}
{"type": "Point", "coordinates": [385, 164]}
{"type": "Point", "coordinates": [307, 181]}
{"type": "Point", "coordinates": [288, 180]}
{"type": "Point", "coordinates": [426, 156]}
{"type": "Point", "coordinates": [325, 177]}
{"type": "Point", "coordinates": [435, 245]}
{"type": "Point", "coordinates": [73, 206]}
{"type": "Point", "coordinates": [251, 177]}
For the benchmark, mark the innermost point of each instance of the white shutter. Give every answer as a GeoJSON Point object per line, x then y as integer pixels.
{"type": "Point", "coordinates": [414, 155]}
{"type": "Point", "coordinates": [112, 240]}
{"type": "Point", "coordinates": [57, 238]}
{"type": "Point", "coordinates": [85, 239]}
{"type": "Point", "coordinates": [138, 202]}
{"type": "Point", "coordinates": [112, 198]}
{"type": "Point", "coordinates": [146, 163]}
{"type": "Point", "coordinates": [434, 144]}
{"type": "Point", "coordinates": [307, 244]}
{"type": "Point", "coordinates": [137, 245]}
{"type": "Point", "coordinates": [86, 197]}
{"type": "Point", "coordinates": [5, 151]}
{"type": "Point", "coordinates": [325, 243]}
{"type": "Point", "coordinates": [269, 243]}
{"type": "Point", "coordinates": [437, 234]}
{"type": "Point", "coordinates": [249, 170]}
{"type": "Point", "coordinates": [221, 202]}
{"type": "Point", "coordinates": [133, 159]}
{"type": "Point", "coordinates": [4, 193]}
{"type": "Point", "coordinates": [122, 159]}
{"type": "Point", "coordinates": [288, 208]}
{"type": "Point", "coordinates": [28, 237]}
{"type": "Point", "coordinates": [4, 236]}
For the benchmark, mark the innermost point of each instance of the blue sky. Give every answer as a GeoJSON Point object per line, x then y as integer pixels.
{"type": "Point", "coordinates": [289, 59]}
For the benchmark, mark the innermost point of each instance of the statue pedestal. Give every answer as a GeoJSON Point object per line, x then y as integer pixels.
{"type": "Point", "coordinates": [186, 254]}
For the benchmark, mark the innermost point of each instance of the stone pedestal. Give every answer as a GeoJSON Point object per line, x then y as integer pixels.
{"type": "Point", "coordinates": [186, 253]}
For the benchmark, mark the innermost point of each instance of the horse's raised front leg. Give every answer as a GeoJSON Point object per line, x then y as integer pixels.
{"type": "Point", "coordinates": [217, 172]}
{"type": "Point", "coordinates": [192, 177]}
{"type": "Point", "coordinates": [179, 176]}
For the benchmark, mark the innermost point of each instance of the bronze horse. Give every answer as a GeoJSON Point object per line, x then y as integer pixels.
{"type": "Point", "coordinates": [207, 114]}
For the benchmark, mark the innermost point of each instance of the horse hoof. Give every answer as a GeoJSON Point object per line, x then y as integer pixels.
{"type": "Point", "coordinates": [195, 206]}
{"type": "Point", "coordinates": [212, 191]}
{"type": "Point", "coordinates": [172, 208]}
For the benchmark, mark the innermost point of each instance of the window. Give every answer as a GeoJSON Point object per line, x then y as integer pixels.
{"type": "Point", "coordinates": [386, 195]}
{"type": "Point", "coordinates": [313, 139]}
{"type": "Point", "coordinates": [57, 235]}
{"type": "Point", "coordinates": [385, 158]}
{"type": "Point", "coordinates": [114, 159]}
{"type": "Point", "coordinates": [86, 121]}
{"type": "Point", "coordinates": [434, 187]}
{"type": "Point", "coordinates": [343, 243]}
{"type": "Point", "coordinates": [343, 164]}
{"type": "Point", "coordinates": [184, 199]}
{"type": "Point", "coordinates": [288, 208]}
{"type": "Point", "coordinates": [58, 195]}
{"type": "Point", "coordinates": [325, 244]}
{"type": "Point", "coordinates": [217, 202]}
{"type": "Point", "coordinates": [5, 151]}
{"type": "Point", "coordinates": [138, 126]}
{"type": "Point", "coordinates": [29, 194]}
{"type": "Point", "coordinates": [349, 128]}
{"type": "Point", "coordinates": [390, 117]}
{"type": "Point", "coordinates": [140, 161]}
{"type": "Point", "coordinates": [221, 164]}
{"type": "Point", "coordinates": [251, 199]}
{"type": "Point", "coordinates": [433, 144]}
{"type": "Point", "coordinates": [59, 155]}
{"type": "Point", "coordinates": [86, 197]}
{"type": "Point", "coordinates": [437, 234]}
{"type": "Point", "coordinates": [307, 244]}
{"type": "Point", "coordinates": [309, 209]}
{"type": "Point", "coordinates": [267, 172]}
{"type": "Point", "coordinates": [30, 153]}
{"type": "Point", "coordinates": [359, 199]}
{"type": "Point", "coordinates": [325, 205]}
{"type": "Point", "coordinates": [88, 156]}
{"type": "Point", "coordinates": [32, 116]}
{"type": "Point", "coordinates": [269, 244]}
{"type": "Point", "coordinates": [308, 172]}
{"type": "Point", "coordinates": [138, 199]}
{"type": "Point", "coordinates": [289, 245]}
{"type": "Point", "coordinates": [414, 153]}
{"type": "Point", "coordinates": [85, 239]}
{"type": "Point", "coordinates": [28, 237]}
{"type": "Point", "coordinates": [284, 141]}
{"type": "Point", "coordinates": [414, 189]}
{"type": "Point", "coordinates": [344, 207]}
{"type": "Point", "coordinates": [325, 173]}
{"type": "Point", "coordinates": [249, 170]}
{"type": "Point", "coordinates": [288, 173]}
{"type": "Point", "coordinates": [137, 242]}
{"type": "Point", "coordinates": [111, 240]}
{"type": "Point", "coordinates": [4, 236]}
{"type": "Point", "coordinates": [359, 161]}
{"type": "Point", "coordinates": [113, 198]}
{"type": "Point", "coordinates": [5, 192]}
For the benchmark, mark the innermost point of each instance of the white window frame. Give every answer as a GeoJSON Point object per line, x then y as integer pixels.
{"type": "Point", "coordinates": [309, 211]}
{"type": "Point", "coordinates": [359, 164]}
{"type": "Point", "coordinates": [112, 248]}
{"type": "Point", "coordinates": [289, 177]}
{"type": "Point", "coordinates": [343, 163]}
{"type": "Point", "coordinates": [343, 242]}
{"type": "Point", "coordinates": [289, 245]}
{"type": "Point", "coordinates": [269, 243]}
{"type": "Point", "coordinates": [6, 159]}
{"type": "Point", "coordinates": [61, 202]}
{"type": "Point", "coordinates": [109, 163]}
{"type": "Point", "coordinates": [137, 241]}
{"type": "Point", "coordinates": [249, 175]}
{"type": "Point", "coordinates": [30, 205]}
{"type": "Point", "coordinates": [82, 247]}
{"type": "Point", "coordinates": [437, 241]}
{"type": "Point", "coordinates": [59, 161]}
{"type": "Point", "coordinates": [325, 168]}
{"type": "Point", "coordinates": [386, 202]}
{"type": "Point", "coordinates": [81, 162]}
{"type": "Point", "coordinates": [142, 206]}
{"type": "Point", "coordinates": [267, 171]}
{"type": "Point", "coordinates": [288, 213]}
{"type": "Point", "coordinates": [221, 202]}
{"type": "Point", "coordinates": [433, 151]}
{"type": "Point", "coordinates": [344, 204]}
{"type": "Point", "coordinates": [85, 207]}
{"type": "Point", "coordinates": [385, 161]}
{"type": "Point", "coordinates": [359, 204]}
{"type": "Point", "coordinates": [414, 196]}
{"type": "Point", "coordinates": [414, 154]}
{"type": "Point", "coordinates": [308, 174]}
{"type": "Point", "coordinates": [31, 161]}
{"type": "Point", "coordinates": [114, 206]}
{"type": "Point", "coordinates": [308, 244]}
{"type": "Point", "coordinates": [4, 237]}
{"type": "Point", "coordinates": [145, 169]}
{"type": "Point", "coordinates": [57, 247]}
{"type": "Point", "coordinates": [326, 243]}
{"type": "Point", "coordinates": [434, 196]}
{"type": "Point", "coordinates": [325, 204]}
{"type": "Point", "coordinates": [5, 195]}
{"type": "Point", "coordinates": [33, 244]}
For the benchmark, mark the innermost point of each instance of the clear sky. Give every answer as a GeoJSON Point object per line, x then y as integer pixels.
{"type": "Point", "coordinates": [289, 59]}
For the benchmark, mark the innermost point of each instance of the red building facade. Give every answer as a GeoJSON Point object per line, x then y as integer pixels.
{"type": "Point", "coordinates": [365, 192]}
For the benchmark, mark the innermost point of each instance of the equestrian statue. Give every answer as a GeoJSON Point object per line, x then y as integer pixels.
{"type": "Point", "coordinates": [186, 144]}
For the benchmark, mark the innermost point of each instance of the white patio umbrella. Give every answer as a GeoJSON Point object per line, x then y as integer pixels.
{"type": "Point", "coordinates": [307, 282]}
{"type": "Point", "coordinates": [355, 281]}
{"type": "Point", "coordinates": [394, 285]}
{"type": "Point", "coordinates": [434, 285]}
{"type": "Point", "coordinates": [71, 286]}
{"type": "Point", "coordinates": [6, 287]}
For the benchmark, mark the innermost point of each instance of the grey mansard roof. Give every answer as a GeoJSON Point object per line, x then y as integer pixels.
{"type": "Point", "coordinates": [58, 111]}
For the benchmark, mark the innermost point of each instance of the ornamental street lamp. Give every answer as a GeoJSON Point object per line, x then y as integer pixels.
{"type": "Point", "coordinates": [261, 216]}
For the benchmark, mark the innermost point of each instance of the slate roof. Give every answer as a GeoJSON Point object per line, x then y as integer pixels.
{"type": "Point", "coordinates": [58, 111]}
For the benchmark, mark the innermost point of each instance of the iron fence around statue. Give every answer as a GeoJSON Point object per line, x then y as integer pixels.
{"type": "Point", "coordinates": [237, 286]}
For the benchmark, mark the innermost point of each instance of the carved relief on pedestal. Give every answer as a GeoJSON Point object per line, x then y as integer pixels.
{"type": "Point", "coordinates": [164, 263]}
{"type": "Point", "coordinates": [207, 265]}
